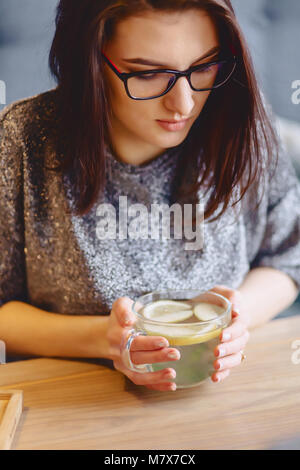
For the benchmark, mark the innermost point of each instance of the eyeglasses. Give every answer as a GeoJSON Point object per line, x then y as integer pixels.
{"type": "Point", "coordinates": [150, 84]}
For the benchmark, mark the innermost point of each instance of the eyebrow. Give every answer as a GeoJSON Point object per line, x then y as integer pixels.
{"type": "Point", "coordinates": [153, 63]}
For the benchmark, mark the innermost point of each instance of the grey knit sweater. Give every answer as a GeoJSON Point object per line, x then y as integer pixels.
{"type": "Point", "coordinates": [64, 264]}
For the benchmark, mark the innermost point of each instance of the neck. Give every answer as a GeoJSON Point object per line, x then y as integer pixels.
{"type": "Point", "coordinates": [134, 154]}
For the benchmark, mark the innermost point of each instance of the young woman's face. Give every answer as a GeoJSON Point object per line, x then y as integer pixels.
{"type": "Point", "coordinates": [177, 41]}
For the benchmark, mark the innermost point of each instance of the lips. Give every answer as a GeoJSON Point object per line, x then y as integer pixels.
{"type": "Point", "coordinates": [172, 121]}
{"type": "Point", "coordinates": [173, 126]}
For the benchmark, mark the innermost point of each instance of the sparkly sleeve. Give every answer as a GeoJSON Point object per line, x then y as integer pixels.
{"type": "Point", "coordinates": [279, 222]}
{"type": "Point", "coordinates": [12, 261]}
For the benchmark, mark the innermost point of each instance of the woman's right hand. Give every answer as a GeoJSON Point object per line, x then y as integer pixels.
{"type": "Point", "coordinates": [143, 350]}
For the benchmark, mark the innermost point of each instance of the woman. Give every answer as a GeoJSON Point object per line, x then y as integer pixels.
{"type": "Point", "coordinates": [103, 135]}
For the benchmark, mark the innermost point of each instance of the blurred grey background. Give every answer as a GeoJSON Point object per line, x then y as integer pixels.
{"type": "Point", "coordinates": [271, 27]}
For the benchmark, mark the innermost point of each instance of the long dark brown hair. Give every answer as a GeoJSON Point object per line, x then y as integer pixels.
{"type": "Point", "coordinates": [233, 131]}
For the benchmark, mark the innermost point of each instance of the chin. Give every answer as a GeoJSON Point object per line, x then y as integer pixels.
{"type": "Point", "coordinates": [172, 140]}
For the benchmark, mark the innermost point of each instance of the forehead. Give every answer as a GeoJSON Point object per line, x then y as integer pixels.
{"type": "Point", "coordinates": [168, 36]}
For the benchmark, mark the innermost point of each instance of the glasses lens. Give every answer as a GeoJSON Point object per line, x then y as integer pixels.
{"type": "Point", "coordinates": [152, 85]}
{"type": "Point", "coordinates": [149, 85]}
{"type": "Point", "coordinates": [212, 76]}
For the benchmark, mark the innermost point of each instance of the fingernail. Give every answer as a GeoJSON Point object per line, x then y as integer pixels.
{"type": "Point", "coordinates": [161, 344]}
{"type": "Point", "coordinates": [173, 355]}
{"type": "Point", "coordinates": [170, 375]}
{"type": "Point", "coordinates": [226, 336]}
{"type": "Point", "coordinates": [173, 387]}
{"type": "Point", "coordinates": [221, 352]}
{"type": "Point", "coordinates": [218, 365]}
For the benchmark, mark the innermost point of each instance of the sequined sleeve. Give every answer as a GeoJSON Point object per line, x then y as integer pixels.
{"type": "Point", "coordinates": [279, 235]}
{"type": "Point", "coordinates": [12, 261]}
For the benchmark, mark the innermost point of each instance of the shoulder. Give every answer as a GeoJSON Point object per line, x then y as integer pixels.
{"type": "Point", "coordinates": [27, 117]}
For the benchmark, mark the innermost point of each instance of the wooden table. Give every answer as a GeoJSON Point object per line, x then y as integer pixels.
{"type": "Point", "coordinates": [73, 404]}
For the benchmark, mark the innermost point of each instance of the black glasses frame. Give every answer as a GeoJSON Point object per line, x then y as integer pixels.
{"type": "Point", "coordinates": [177, 74]}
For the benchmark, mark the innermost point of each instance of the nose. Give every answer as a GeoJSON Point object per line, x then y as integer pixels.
{"type": "Point", "coordinates": [180, 98]}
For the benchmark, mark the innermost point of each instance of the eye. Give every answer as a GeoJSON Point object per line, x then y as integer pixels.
{"type": "Point", "coordinates": [147, 76]}
{"type": "Point", "coordinates": [208, 68]}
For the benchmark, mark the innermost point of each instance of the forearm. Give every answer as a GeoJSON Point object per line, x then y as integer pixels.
{"type": "Point", "coordinates": [266, 292]}
{"type": "Point", "coordinates": [28, 330]}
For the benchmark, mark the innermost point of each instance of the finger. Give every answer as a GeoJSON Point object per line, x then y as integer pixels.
{"type": "Point", "coordinates": [224, 349]}
{"type": "Point", "coordinates": [122, 308]}
{"type": "Point", "coordinates": [148, 343]}
{"type": "Point", "coordinates": [164, 387]}
{"type": "Point", "coordinates": [151, 378]}
{"type": "Point", "coordinates": [225, 290]}
{"type": "Point", "coordinates": [235, 313]}
{"type": "Point", "coordinates": [152, 357]}
{"type": "Point", "coordinates": [235, 330]}
{"type": "Point", "coordinates": [228, 362]}
{"type": "Point", "coordinates": [233, 295]}
{"type": "Point", "coordinates": [218, 376]}
{"type": "Point", "coordinates": [147, 378]}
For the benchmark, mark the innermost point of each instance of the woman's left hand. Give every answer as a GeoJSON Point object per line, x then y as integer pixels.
{"type": "Point", "coordinates": [233, 338]}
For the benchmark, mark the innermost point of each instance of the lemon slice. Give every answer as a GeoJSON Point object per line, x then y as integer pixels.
{"type": "Point", "coordinates": [178, 336]}
{"type": "Point", "coordinates": [205, 311]}
{"type": "Point", "coordinates": [168, 311]}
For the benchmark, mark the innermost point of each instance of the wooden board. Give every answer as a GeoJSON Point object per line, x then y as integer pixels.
{"type": "Point", "coordinates": [11, 406]}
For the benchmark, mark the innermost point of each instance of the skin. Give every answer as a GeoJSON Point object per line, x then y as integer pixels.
{"type": "Point", "coordinates": [146, 349]}
{"type": "Point", "coordinates": [137, 138]}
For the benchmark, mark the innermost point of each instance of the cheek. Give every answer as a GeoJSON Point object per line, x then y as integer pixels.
{"type": "Point", "coordinates": [202, 98]}
{"type": "Point", "coordinates": [122, 105]}
{"type": "Point", "coordinates": [135, 113]}
{"type": "Point", "coordinates": [116, 92]}
{"type": "Point", "coordinates": [117, 95]}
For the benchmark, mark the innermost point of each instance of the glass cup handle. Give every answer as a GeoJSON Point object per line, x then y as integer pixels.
{"type": "Point", "coordinates": [125, 353]}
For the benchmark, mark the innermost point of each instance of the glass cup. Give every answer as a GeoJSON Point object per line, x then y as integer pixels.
{"type": "Point", "coordinates": [195, 340]}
